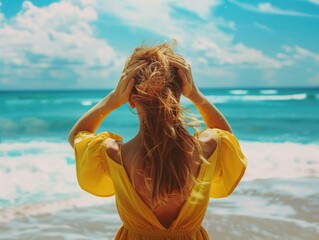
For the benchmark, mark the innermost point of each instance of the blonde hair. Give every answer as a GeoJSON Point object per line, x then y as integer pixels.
{"type": "Point", "coordinates": [168, 150]}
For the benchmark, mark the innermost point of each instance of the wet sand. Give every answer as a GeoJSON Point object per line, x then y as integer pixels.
{"type": "Point", "coordinates": [260, 209]}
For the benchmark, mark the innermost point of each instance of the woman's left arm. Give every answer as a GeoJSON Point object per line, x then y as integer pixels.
{"type": "Point", "coordinates": [92, 119]}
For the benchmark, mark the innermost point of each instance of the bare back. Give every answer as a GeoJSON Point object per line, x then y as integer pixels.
{"type": "Point", "coordinates": [124, 153]}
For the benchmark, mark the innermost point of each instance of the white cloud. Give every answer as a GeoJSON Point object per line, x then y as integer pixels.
{"type": "Point", "coordinates": [151, 15]}
{"type": "Point", "coordinates": [201, 9]}
{"type": "Point", "coordinates": [314, 1]}
{"type": "Point", "coordinates": [293, 55]}
{"type": "Point", "coordinates": [60, 33]}
{"type": "Point", "coordinates": [268, 8]}
{"type": "Point", "coordinates": [287, 48]}
{"type": "Point", "coordinates": [156, 16]}
{"type": "Point", "coordinates": [263, 27]}
{"type": "Point", "coordinates": [237, 54]}
{"type": "Point", "coordinates": [205, 40]}
{"type": "Point", "coordinates": [63, 33]}
{"type": "Point", "coordinates": [302, 53]}
{"type": "Point", "coordinates": [298, 53]}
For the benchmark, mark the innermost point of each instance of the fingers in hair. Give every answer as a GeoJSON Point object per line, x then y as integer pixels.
{"type": "Point", "coordinates": [132, 70]}
{"type": "Point", "coordinates": [129, 87]}
{"type": "Point", "coordinates": [183, 77]}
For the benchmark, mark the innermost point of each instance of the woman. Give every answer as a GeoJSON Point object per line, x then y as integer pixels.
{"type": "Point", "coordinates": [163, 177]}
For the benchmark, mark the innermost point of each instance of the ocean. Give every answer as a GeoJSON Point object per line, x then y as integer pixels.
{"type": "Point", "coordinates": [278, 198]}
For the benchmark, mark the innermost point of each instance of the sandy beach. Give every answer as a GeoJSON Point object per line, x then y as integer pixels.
{"type": "Point", "coordinates": [257, 210]}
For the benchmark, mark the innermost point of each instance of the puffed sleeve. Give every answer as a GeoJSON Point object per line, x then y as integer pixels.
{"type": "Point", "coordinates": [92, 169]}
{"type": "Point", "coordinates": [230, 165]}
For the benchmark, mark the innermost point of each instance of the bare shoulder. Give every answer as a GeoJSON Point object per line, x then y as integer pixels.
{"type": "Point", "coordinates": [208, 140]}
{"type": "Point", "coordinates": [113, 149]}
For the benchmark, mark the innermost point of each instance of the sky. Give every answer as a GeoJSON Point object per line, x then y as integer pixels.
{"type": "Point", "coordinates": [83, 44]}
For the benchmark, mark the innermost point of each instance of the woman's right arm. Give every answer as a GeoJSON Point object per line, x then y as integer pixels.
{"type": "Point", "coordinates": [212, 117]}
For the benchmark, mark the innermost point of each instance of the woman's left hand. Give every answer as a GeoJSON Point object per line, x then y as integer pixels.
{"type": "Point", "coordinates": [121, 94]}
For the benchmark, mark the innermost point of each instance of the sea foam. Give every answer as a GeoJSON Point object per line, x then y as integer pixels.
{"type": "Point", "coordinates": [45, 171]}
{"type": "Point", "coordinates": [280, 160]}
{"type": "Point", "coordinates": [253, 98]}
{"type": "Point", "coordinates": [238, 92]}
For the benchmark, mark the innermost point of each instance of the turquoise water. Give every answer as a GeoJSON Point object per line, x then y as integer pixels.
{"type": "Point", "coordinates": [266, 115]}
{"type": "Point", "coordinates": [275, 126]}
{"type": "Point", "coordinates": [278, 130]}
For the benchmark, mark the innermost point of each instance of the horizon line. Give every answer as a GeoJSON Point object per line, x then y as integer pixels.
{"type": "Point", "coordinates": [220, 88]}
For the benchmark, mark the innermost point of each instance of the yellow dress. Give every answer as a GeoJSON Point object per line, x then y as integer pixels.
{"type": "Point", "coordinates": [100, 175]}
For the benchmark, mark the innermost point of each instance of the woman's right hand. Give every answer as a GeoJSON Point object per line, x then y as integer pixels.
{"type": "Point", "coordinates": [121, 94]}
{"type": "Point", "coordinates": [189, 88]}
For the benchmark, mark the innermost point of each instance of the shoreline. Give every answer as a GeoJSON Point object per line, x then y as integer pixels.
{"type": "Point", "coordinates": [258, 209]}
{"type": "Point", "coordinates": [314, 88]}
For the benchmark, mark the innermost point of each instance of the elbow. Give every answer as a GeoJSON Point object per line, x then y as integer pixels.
{"type": "Point", "coordinates": [229, 130]}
